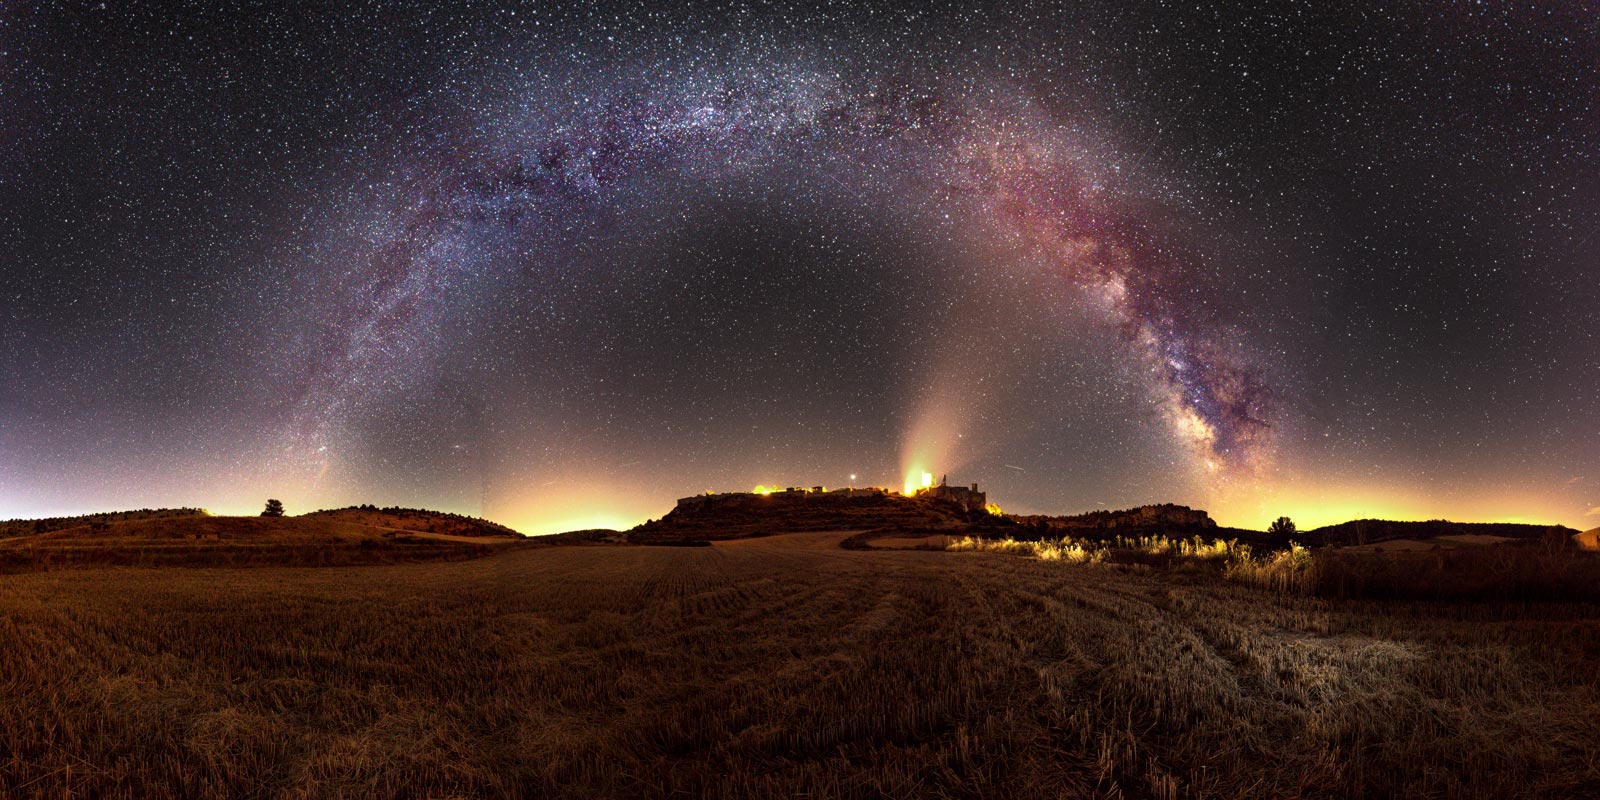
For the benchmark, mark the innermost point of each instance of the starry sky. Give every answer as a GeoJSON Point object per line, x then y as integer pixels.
{"type": "Point", "coordinates": [558, 265]}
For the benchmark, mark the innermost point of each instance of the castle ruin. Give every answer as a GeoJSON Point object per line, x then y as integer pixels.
{"type": "Point", "coordinates": [969, 499]}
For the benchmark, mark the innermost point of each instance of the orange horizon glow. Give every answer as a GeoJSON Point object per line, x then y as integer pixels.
{"type": "Point", "coordinates": [579, 506]}
{"type": "Point", "coordinates": [590, 498]}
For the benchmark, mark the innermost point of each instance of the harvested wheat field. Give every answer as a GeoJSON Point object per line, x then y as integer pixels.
{"type": "Point", "coordinates": [776, 667]}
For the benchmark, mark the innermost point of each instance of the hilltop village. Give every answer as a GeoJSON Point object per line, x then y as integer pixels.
{"type": "Point", "coordinates": [968, 498]}
{"type": "Point", "coordinates": [941, 506]}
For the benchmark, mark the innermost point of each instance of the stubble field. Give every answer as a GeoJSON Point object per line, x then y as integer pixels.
{"type": "Point", "coordinates": [781, 666]}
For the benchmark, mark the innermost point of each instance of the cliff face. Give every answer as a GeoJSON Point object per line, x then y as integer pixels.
{"type": "Point", "coordinates": [737, 516]}
{"type": "Point", "coordinates": [1158, 517]}
{"type": "Point", "coordinates": [1163, 516]}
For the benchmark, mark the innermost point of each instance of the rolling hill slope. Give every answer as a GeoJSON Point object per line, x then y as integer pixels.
{"type": "Point", "coordinates": [1588, 540]}
{"type": "Point", "coordinates": [416, 520]}
{"type": "Point", "coordinates": [24, 527]}
{"type": "Point", "coordinates": [1372, 531]}
{"type": "Point", "coordinates": [202, 540]}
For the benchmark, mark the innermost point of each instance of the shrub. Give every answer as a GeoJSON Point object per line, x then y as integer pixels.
{"type": "Point", "coordinates": [1290, 570]}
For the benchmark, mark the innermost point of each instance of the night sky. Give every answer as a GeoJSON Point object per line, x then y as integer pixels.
{"type": "Point", "coordinates": [558, 266]}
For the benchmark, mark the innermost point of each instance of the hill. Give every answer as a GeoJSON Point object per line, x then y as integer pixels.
{"type": "Point", "coordinates": [1588, 540]}
{"type": "Point", "coordinates": [24, 527]}
{"type": "Point", "coordinates": [1165, 518]}
{"type": "Point", "coordinates": [1372, 531]}
{"type": "Point", "coordinates": [416, 520]}
{"type": "Point", "coordinates": [204, 540]}
{"type": "Point", "coordinates": [740, 516]}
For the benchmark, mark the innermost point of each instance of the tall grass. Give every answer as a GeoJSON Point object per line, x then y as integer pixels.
{"type": "Point", "coordinates": [1235, 558]}
{"type": "Point", "coordinates": [1519, 572]}
{"type": "Point", "coordinates": [1291, 570]}
{"type": "Point", "coordinates": [1065, 549]}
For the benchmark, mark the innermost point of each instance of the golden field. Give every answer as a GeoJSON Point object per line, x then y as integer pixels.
{"type": "Point", "coordinates": [782, 666]}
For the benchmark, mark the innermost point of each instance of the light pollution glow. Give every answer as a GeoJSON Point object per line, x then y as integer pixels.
{"type": "Point", "coordinates": [591, 501]}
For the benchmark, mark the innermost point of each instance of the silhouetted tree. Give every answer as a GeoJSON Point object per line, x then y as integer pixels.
{"type": "Point", "coordinates": [273, 509]}
{"type": "Point", "coordinates": [1556, 540]}
{"type": "Point", "coordinates": [1281, 531]}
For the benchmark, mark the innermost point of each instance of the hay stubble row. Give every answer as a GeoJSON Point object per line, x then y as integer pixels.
{"type": "Point", "coordinates": [780, 666]}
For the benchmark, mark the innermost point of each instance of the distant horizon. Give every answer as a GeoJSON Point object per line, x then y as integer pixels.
{"type": "Point", "coordinates": [1314, 522]}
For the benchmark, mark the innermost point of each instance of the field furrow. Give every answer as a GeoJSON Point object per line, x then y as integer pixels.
{"type": "Point", "coordinates": [780, 666]}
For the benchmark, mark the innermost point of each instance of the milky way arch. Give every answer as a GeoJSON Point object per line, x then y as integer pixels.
{"type": "Point", "coordinates": [536, 167]}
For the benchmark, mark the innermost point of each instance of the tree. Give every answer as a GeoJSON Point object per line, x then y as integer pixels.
{"type": "Point", "coordinates": [1281, 532]}
{"type": "Point", "coordinates": [274, 509]}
